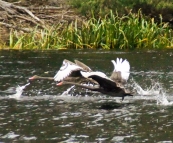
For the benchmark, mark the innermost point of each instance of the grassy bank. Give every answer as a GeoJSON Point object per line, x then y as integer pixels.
{"type": "Point", "coordinates": [111, 32]}
{"type": "Point", "coordinates": [108, 24]}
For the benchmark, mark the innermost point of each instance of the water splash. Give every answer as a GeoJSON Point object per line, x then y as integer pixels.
{"type": "Point", "coordinates": [155, 89]}
{"type": "Point", "coordinates": [162, 99]}
{"type": "Point", "coordinates": [19, 91]}
{"type": "Point", "coordinates": [78, 91]}
{"type": "Point", "coordinates": [68, 91]}
{"type": "Point", "coordinates": [73, 91]}
{"type": "Point", "coordinates": [10, 135]}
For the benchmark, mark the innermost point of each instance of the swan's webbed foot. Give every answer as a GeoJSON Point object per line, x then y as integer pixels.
{"type": "Point", "coordinates": [127, 94]}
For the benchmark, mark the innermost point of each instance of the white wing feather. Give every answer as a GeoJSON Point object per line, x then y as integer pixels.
{"type": "Point", "coordinates": [123, 67]}
{"type": "Point", "coordinates": [88, 74]}
{"type": "Point", "coordinates": [65, 70]}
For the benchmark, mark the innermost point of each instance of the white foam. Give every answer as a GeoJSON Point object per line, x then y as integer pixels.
{"type": "Point", "coordinates": [162, 99]}
{"type": "Point", "coordinates": [157, 90]}
{"type": "Point", "coordinates": [19, 91]}
{"type": "Point", "coordinates": [67, 91]}
{"type": "Point", "coordinates": [10, 135]}
{"type": "Point", "coordinates": [152, 90]}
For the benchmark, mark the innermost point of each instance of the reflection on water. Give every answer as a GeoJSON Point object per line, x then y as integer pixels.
{"type": "Point", "coordinates": [46, 112]}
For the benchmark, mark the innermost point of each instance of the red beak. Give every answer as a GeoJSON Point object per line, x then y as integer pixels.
{"type": "Point", "coordinates": [60, 83]}
{"type": "Point", "coordinates": [31, 78]}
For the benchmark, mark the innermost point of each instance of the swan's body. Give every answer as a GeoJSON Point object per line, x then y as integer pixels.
{"type": "Point", "coordinates": [108, 87]}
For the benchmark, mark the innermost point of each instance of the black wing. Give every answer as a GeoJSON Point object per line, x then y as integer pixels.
{"type": "Point", "coordinates": [105, 83]}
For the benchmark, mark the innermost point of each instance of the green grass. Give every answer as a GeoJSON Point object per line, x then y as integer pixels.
{"type": "Point", "coordinates": [37, 39]}
{"type": "Point", "coordinates": [129, 32]}
{"type": "Point", "coordinates": [111, 24]}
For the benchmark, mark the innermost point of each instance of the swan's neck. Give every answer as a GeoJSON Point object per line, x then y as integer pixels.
{"type": "Point", "coordinates": [41, 77]}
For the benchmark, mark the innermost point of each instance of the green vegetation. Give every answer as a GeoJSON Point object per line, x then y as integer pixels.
{"type": "Point", "coordinates": [38, 39]}
{"type": "Point", "coordinates": [112, 32]}
{"type": "Point", "coordinates": [111, 25]}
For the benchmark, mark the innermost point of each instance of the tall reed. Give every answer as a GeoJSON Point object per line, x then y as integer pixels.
{"type": "Point", "coordinates": [37, 39]}
{"type": "Point", "coordinates": [132, 31]}
{"type": "Point", "coordinates": [127, 32]}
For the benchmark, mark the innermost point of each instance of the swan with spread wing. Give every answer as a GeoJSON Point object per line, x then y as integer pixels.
{"type": "Point", "coordinates": [113, 85]}
{"type": "Point", "coordinates": [70, 72]}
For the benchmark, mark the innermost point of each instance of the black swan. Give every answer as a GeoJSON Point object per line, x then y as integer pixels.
{"type": "Point", "coordinates": [113, 86]}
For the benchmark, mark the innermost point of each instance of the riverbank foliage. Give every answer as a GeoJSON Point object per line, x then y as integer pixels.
{"type": "Point", "coordinates": [112, 32]}
{"type": "Point", "coordinates": [120, 28]}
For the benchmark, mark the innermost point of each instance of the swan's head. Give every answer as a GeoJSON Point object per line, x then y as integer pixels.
{"type": "Point", "coordinates": [65, 83]}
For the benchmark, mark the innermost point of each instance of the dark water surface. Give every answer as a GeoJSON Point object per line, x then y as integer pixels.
{"type": "Point", "coordinates": [43, 114]}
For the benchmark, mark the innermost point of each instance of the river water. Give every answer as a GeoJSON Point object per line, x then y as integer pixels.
{"type": "Point", "coordinates": [47, 113]}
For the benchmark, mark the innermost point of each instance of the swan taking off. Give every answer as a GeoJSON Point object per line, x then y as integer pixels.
{"type": "Point", "coordinates": [78, 74]}
{"type": "Point", "coordinates": [113, 86]}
